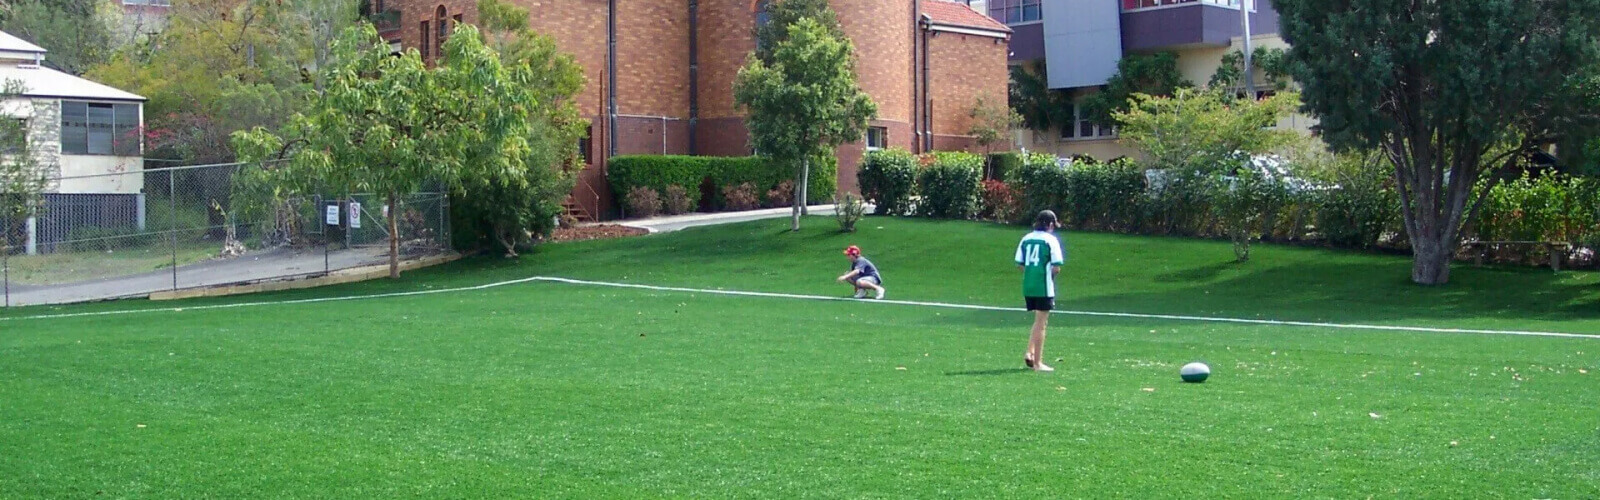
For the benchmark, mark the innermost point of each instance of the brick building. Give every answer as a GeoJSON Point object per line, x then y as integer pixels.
{"type": "Point", "coordinates": [925, 62]}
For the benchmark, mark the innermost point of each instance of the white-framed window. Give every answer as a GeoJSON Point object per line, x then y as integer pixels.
{"type": "Point", "coordinates": [1081, 128]}
{"type": "Point", "coordinates": [877, 138]}
{"type": "Point", "coordinates": [92, 128]}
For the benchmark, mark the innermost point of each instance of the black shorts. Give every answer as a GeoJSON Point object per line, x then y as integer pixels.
{"type": "Point", "coordinates": [1040, 303]}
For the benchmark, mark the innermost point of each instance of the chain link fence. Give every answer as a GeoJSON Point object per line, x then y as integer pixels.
{"type": "Point", "coordinates": [160, 228]}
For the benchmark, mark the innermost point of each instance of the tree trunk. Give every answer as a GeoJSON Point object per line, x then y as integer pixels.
{"type": "Point", "coordinates": [394, 236]}
{"type": "Point", "coordinates": [805, 186]}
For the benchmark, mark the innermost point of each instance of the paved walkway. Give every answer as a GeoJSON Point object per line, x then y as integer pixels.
{"type": "Point", "coordinates": [284, 263]}
{"type": "Point", "coordinates": [680, 222]}
{"type": "Point", "coordinates": [255, 266]}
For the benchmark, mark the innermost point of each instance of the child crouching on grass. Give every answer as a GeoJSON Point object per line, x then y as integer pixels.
{"type": "Point", "coordinates": [863, 275]}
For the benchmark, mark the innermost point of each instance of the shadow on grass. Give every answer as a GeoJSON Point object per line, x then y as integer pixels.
{"type": "Point", "coordinates": [988, 373]}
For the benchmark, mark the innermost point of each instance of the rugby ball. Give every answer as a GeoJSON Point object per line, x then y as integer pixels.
{"type": "Point", "coordinates": [1195, 372]}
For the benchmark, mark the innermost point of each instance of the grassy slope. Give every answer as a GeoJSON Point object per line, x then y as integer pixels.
{"type": "Point", "coordinates": [585, 392]}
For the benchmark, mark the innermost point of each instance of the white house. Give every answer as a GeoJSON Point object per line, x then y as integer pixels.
{"type": "Point", "coordinates": [89, 138]}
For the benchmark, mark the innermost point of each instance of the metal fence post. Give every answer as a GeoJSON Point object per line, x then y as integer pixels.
{"type": "Point", "coordinates": [5, 260]}
{"type": "Point", "coordinates": [172, 223]}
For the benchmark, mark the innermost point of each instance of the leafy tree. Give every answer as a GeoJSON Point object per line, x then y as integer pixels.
{"type": "Point", "coordinates": [1206, 132]}
{"type": "Point", "coordinates": [1151, 74]}
{"type": "Point", "coordinates": [76, 32]}
{"type": "Point", "coordinates": [991, 125]}
{"type": "Point", "coordinates": [781, 15]}
{"type": "Point", "coordinates": [511, 210]}
{"type": "Point", "coordinates": [389, 125]}
{"type": "Point", "coordinates": [24, 175]}
{"type": "Point", "coordinates": [806, 102]}
{"type": "Point", "coordinates": [1452, 92]}
{"type": "Point", "coordinates": [1041, 109]}
{"type": "Point", "coordinates": [1273, 62]}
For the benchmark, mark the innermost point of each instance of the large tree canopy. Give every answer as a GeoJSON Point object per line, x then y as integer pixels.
{"type": "Point", "coordinates": [1451, 92]}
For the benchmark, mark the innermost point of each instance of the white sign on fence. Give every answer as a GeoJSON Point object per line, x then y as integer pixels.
{"type": "Point", "coordinates": [355, 215]}
{"type": "Point", "coordinates": [333, 215]}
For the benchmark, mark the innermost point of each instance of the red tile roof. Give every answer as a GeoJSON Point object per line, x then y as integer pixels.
{"type": "Point", "coordinates": [957, 14]}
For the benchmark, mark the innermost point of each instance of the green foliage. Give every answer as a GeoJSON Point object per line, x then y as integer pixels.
{"type": "Point", "coordinates": [1241, 204]}
{"type": "Point", "coordinates": [389, 125]}
{"type": "Point", "coordinates": [991, 123]}
{"type": "Point", "coordinates": [660, 172]}
{"type": "Point", "coordinates": [221, 66]}
{"type": "Point", "coordinates": [1149, 74]}
{"type": "Point", "coordinates": [1002, 164]}
{"type": "Point", "coordinates": [1274, 63]}
{"type": "Point", "coordinates": [782, 15]}
{"type": "Point", "coordinates": [1451, 92]}
{"type": "Point", "coordinates": [1040, 108]}
{"type": "Point", "coordinates": [848, 210]}
{"type": "Point", "coordinates": [24, 174]}
{"type": "Point", "coordinates": [1085, 194]}
{"type": "Point", "coordinates": [804, 101]}
{"type": "Point", "coordinates": [77, 33]}
{"type": "Point", "coordinates": [888, 178]}
{"type": "Point", "coordinates": [1360, 204]}
{"type": "Point", "coordinates": [1204, 132]}
{"type": "Point", "coordinates": [1547, 208]}
{"type": "Point", "coordinates": [951, 185]}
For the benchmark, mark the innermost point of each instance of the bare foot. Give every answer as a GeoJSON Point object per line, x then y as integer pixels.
{"type": "Point", "coordinates": [1041, 367]}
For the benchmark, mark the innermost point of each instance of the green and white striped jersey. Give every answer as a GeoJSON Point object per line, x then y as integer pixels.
{"type": "Point", "coordinates": [1037, 253]}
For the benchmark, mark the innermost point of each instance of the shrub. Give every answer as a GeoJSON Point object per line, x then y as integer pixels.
{"type": "Point", "coordinates": [643, 202]}
{"type": "Point", "coordinates": [1040, 184]}
{"type": "Point", "coordinates": [781, 196]}
{"type": "Point", "coordinates": [677, 200]}
{"type": "Point", "coordinates": [657, 172]}
{"type": "Point", "coordinates": [760, 173]}
{"type": "Point", "coordinates": [1000, 202]}
{"type": "Point", "coordinates": [741, 197]}
{"type": "Point", "coordinates": [950, 185]}
{"type": "Point", "coordinates": [848, 209]}
{"type": "Point", "coordinates": [1358, 206]}
{"type": "Point", "coordinates": [887, 178]}
{"type": "Point", "coordinates": [824, 179]}
{"type": "Point", "coordinates": [1002, 164]}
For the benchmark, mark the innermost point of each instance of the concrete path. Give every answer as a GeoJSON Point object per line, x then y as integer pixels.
{"type": "Point", "coordinates": [255, 266]}
{"type": "Point", "coordinates": [680, 222]}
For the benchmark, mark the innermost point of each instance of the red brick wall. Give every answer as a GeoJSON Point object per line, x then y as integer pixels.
{"type": "Point", "coordinates": [653, 65]}
{"type": "Point", "coordinates": [963, 68]}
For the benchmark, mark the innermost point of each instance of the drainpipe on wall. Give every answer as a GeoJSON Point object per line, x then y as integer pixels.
{"type": "Point", "coordinates": [927, 95]}
{"type": "Point", "coordinates": [694, 73]}
{"type": "Point", "coordinates": [611, 70]}
{"type": "Point", "coordinates": [916, 83]}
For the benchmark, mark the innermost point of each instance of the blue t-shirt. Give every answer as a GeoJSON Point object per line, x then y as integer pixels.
{"type": "Point", "coordinates": [867, 270]}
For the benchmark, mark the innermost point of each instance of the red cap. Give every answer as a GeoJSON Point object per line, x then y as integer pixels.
{"type": "Point", "coordinates": [852, 250]}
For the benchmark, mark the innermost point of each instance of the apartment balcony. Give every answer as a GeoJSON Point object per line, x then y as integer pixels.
{"type": "Point", "coordinates": [1153, 25]}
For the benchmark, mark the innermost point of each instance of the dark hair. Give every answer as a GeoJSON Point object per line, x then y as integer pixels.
{"type": "Point", "coordinates": [1045, 221]}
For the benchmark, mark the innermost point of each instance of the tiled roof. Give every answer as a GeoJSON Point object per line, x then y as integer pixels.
{"type": "Point", "coordinates": [960, 15]}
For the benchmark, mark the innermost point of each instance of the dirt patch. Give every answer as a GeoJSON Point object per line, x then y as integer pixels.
{"type": "Point", "coordinates": [596, 232]}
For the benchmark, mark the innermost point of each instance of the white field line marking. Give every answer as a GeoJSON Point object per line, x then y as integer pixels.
{"type": "Point", "coordinates": [738, 293]}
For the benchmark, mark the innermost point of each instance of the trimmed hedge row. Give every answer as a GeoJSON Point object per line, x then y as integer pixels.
{"type": "Point", "coordinates": [658, 172]}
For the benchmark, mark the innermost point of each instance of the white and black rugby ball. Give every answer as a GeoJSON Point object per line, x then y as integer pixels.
{"type": "Point", "coordinates": [1195, 372]}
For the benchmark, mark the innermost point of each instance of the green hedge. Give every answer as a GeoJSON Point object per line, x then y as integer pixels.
{"type": "Point", "coordinates": [951, 186]}
{"type": "Point", "coordinates": [888, 178]}
{"type": "Point", "coordinates": [659, 172]}
{"type": "Point", "coordinates": [1002, 164]}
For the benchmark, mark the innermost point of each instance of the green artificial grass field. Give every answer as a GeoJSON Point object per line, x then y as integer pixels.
{"type": "Point", "coordinates": [550, 390]}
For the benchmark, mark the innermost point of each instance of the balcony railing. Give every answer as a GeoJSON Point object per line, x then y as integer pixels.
{"type": "Point", "coordinates": [1150, 4]}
